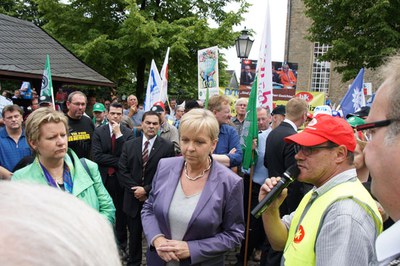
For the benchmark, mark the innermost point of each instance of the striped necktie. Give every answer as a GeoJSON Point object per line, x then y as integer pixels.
{"type": "Point", "coordinates": [145, 153]}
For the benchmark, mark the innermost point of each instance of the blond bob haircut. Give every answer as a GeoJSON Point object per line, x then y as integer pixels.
{"type": "Point", "coordinates": [42, 116]}
{"type": "Point", "coordinates": [199, 120]}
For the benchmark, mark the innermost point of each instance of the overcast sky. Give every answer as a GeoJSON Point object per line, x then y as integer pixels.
{"type": "Point", "coordinates": [255, 20]}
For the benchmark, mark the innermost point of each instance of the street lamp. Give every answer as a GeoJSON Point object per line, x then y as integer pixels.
{"type": "Point", "coordinates": [243, 44]}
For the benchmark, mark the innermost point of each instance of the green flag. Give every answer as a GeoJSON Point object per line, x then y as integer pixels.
{"type": "Point", "coordinates": [250, 129]}
{"type": "Point", "coordinates": [46, 91]}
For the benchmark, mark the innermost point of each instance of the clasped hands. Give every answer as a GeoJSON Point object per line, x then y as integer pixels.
{"type": "Point", "coordinates": [139, 193]}
{"type": "Point", "coordinates": [170, 250]}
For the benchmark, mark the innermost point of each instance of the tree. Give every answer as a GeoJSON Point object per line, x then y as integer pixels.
{"type": "Point", "coordinates": [23, 9]}
{"type": "Point", "coordinates": [119, 38]}
{"type": "Point", "coordinates": [362, 33]}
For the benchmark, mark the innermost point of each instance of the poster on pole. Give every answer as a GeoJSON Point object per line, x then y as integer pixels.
{"type": "Point", "coordinates": [208, 72]}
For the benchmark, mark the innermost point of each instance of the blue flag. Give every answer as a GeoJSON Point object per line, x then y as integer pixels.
{"type": "Point", "coordinates": [354, 98]}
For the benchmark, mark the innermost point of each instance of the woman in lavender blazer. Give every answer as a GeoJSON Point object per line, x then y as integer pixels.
{"type": "Point", "coordinates": [194, 213]}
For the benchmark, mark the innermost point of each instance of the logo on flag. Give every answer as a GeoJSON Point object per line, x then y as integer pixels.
{"type": "Point", "coordinates": [46, 91]}
{"type": "Point", "coordinates": [354, 98]}
{"type": "Point", "coordinates": [153, 92]}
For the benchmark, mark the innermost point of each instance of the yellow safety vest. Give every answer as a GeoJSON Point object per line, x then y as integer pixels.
{"type": "Point", "coordinates": [299, 249]}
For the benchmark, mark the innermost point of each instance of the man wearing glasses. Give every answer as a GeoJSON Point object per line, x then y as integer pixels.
{"type": "Point", "coordinates": [337, 222]}
{"type": "Point", "coordinates": [80, 125]}
{"type": "Point", "coordinates": [382, 154]}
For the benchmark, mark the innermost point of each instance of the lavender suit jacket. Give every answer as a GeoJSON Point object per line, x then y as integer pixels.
{"type": "Point", "coordinates": [217, 224]}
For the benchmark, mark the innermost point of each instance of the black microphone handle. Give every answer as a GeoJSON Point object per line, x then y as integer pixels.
{"type": "Point", "coordinates": [283, 183]}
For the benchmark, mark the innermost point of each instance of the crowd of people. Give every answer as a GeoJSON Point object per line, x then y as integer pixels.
{"type": "Point", "coordinates": [174, 174]}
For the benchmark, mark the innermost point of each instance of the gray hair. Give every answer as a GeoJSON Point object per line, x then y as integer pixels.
{"type": "Point", "coordinates": [48, 227]}
{"type": "Point", "coordinates": [391, 73]}
{"type": "Point", "coordinates": [127, 121]}
{"type": "Point", "coordinates": [241, 101]}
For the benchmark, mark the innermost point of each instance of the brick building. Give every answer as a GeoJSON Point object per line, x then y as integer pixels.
{"type": "Point", "coordinates": [314, 75]}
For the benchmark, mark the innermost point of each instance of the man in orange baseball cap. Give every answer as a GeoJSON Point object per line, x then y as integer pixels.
{"type": "Point", "coordinates": [337, 222]}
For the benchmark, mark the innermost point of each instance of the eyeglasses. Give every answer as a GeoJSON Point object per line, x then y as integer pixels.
{"type": "Point", "coordinates": [308, 150]}
{"type": "Point", "coordinates": [79, 104]}
{"type": "Point", "coordinates": [368, 129]}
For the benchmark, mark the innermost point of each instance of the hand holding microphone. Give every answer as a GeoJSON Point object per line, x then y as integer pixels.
{"type": "Point", "coordinates": [287, 178]}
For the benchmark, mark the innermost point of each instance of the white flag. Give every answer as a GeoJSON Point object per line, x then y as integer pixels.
{"type": "Point", "coordinates": [164, 78]}
{"type": "Point", "coordinates": [153, 93]}
{"type": "Point", "coordinates": [264, 66]}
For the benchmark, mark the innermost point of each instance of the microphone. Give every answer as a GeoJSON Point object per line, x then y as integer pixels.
{"type": "Point", "coordinates": [287, 178]}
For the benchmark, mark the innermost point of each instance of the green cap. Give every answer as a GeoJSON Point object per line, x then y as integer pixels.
{"type": "Point", "coordinates": [355, 121]}
{"type": "Point", "coordinates": [98, 107]}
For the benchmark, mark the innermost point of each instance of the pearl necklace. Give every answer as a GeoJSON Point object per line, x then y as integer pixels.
{"type": "Point", "coordinates": [199, 176]}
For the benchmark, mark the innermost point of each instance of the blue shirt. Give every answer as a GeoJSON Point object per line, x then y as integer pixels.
{"type": "Point", "coordinates": [136, 118]}
{"type": "Point", "coordinates": [260, 171]}
{"type": "Point", "coordinates": [228, 139]}
{"type": "Point", "coordinates": [10, 152]}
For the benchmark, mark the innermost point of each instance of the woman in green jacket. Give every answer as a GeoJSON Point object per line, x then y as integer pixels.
{"type": "Point", "coordinates": [57, 166]}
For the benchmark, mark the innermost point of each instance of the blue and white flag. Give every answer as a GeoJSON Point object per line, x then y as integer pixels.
{"type": "Point", "coordinates": [154, 85]}
{"type": "Point", "coordinates": [354, 98]}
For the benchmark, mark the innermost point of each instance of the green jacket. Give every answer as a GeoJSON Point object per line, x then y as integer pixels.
{"type": "Point", "coordinates": [91, 191]}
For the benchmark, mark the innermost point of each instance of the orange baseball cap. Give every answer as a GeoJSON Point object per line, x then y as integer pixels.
{"type": "Point", "coordinates": [325, 128]}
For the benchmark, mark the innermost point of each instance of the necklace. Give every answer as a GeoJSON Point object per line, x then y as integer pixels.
{"type": "Point", "coordinates": [199, 176]}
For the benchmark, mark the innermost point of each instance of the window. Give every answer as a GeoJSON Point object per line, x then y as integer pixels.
{"type": "Point", "coordinates": [321, 70]}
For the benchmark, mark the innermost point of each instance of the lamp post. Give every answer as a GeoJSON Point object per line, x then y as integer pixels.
{"type": "Point", "coordinates": [243, 44]}
{"type": "Point", "coordinates": [243, 47]}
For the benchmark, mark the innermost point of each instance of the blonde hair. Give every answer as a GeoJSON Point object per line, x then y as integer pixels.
{"type": "Point", "coordinates": [39, 117]}
{"type": "Point", "coordinates": [199, 120]}
{"type": "Point", "coordinates": [296, 108]}
{"type": "Point", "coordinates": [216, 102]}
{"type": "Point", "coordinates": [49, 227]}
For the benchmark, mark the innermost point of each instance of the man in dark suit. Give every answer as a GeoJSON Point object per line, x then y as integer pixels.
{"type": "Point", "coordinates": [247, 76]}
{"type": "Point", "coordinates": [137, 166]}
{"type": "Point", "coordinates": [107, 144]}
{"type": "Point", "coordinates": [279, 155]}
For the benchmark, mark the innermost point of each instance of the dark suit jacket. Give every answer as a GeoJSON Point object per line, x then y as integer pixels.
{"type": "Point", "coordinates": [130, 169]}
{"type": "Point", "coordinates": [101, 148]}
{"type": "Point", "coordinates": [217, 223]}
{"type": "Point", "coordinates": [279, 155]}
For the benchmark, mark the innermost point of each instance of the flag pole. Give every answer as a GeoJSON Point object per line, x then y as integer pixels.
{"type": "Point", "coordinates": [246, 240]}
{"type": "Point", "coordinates": [207, 97]}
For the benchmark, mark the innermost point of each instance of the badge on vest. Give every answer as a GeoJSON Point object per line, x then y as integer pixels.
{"type": "Point", "coordinates": [299, 235]}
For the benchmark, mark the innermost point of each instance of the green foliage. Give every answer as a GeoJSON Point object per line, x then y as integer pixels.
{"type": "Point", "coordinates": [23, 9]}
{"type": "Point", "coordinates": [363, 33]}
{"type": "Point", "coordinates": [119, 38]}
